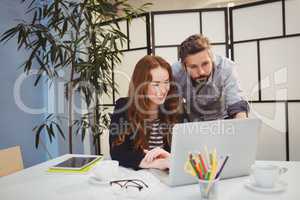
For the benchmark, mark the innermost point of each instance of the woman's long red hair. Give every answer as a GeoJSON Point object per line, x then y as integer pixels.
{"type": "Point", "coordinates": [139, 103]}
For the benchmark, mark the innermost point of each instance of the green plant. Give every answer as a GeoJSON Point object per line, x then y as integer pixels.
{"type": "Point", "coordinates": [80, 38]}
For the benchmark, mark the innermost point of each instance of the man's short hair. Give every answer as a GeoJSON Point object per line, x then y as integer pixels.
{"type": "Point", "coordinates": [192, 45]}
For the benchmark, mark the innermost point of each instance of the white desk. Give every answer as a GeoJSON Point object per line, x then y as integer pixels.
{"type": "Point", "coordinates": [36, 184]}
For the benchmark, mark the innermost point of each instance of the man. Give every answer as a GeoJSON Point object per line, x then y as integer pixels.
{"type": "Point", "coordinates": [207, 82]}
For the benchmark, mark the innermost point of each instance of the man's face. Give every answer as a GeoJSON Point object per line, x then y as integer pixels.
{"type": "Point", "coordinates": [199, 65]}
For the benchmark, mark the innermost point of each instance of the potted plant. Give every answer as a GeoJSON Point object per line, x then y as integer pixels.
{"type": "Point", "coordinates": [82, 39]}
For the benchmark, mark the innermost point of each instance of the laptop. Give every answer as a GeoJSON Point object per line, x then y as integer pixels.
{"type": "Point", "coordinates": [236, 138]}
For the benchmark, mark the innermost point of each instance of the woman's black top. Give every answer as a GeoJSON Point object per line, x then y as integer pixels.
{"type": "Point", "coordinates": [125, 152]}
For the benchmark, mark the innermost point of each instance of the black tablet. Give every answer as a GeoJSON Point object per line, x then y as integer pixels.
{"type": "Point", "coordinates": [76, 162]}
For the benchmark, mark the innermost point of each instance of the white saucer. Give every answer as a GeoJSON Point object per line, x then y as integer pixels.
{"type": "Point", "coordinates": [279, 187]}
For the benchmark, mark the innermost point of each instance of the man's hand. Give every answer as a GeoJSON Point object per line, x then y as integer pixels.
{"type": "Point", "coordinates": [240, 115]}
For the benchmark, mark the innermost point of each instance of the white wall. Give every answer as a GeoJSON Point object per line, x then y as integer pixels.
{"type": "Point", "coordinates": [16, 124]}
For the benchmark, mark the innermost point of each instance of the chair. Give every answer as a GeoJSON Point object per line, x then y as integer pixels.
{"type": "Point", "coordinates": [10, 160]}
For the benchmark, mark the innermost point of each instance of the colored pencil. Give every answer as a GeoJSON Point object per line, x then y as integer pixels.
{"type": "Point", "coordinates": [222, 166]}
{"type": "Point", "coordinates": [193, 164]}
{"type": "Point", "coordinates": [202, 163]}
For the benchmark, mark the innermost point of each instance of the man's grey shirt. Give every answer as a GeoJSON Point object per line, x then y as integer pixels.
{"type": "Point", "coordinates": [218, 98]}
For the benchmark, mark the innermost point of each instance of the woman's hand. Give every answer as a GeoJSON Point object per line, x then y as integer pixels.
{"type": "Point", "coordinates": [160, 163]}
{"type": "Point", "coordinates": [156, 158]}
{"type": "Point", "coordinates": [156, 153]}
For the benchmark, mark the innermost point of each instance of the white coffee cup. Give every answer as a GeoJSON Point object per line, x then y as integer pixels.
{"type": "Point", "coordinates": [266, 175]}
{"type": "Point", "coordinates": [106, 170]}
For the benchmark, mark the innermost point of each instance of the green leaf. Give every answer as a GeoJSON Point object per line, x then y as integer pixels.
{"type": "Point", "coordinates": [51, 130]}
{"type": "Point", "coordinates": [37, 79]}
{"type": "Point", "coordinates": [7, 35]}
{"type": "Point", "coordinates": [34, 17]}
{"type": "Point", "coordinates": [48, 117]}
{"type": "Point", "coordinates": [37, 135]}
{"type": "Point", "coordinates": [59, 130]}
{"type": "Point", "coordinates": [31, 3]}
{"type": "Point", "coordinates": [49, 133]}
{"type": "Point", "coordinates": [83, 133]}
{"type": "Point", "coordinates": [65, 27]}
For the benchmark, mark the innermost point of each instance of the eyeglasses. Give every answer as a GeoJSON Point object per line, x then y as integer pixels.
{"type": "Point", "coordinates": [125, 183]}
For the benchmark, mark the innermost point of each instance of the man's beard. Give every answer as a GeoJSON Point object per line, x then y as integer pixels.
{"type": "Point", "coordinates": [198, 83]}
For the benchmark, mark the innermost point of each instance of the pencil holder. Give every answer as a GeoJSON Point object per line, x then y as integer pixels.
{"type": "Point", "coordinates": [209, 189]}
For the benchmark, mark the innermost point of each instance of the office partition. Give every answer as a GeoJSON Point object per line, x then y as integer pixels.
{"type": "Point", "coordinates": [170, 28]}
{"type": "Point", "coordinates": [272, 137]}
{"type": "Point", "coordinates": [265, 37]}
{"type": "Point", "coordinates": [294, 130]}
{"type": "Point", "coordinates": [137, 45]}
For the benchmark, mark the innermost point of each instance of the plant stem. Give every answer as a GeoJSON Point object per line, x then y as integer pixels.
{"type": "Point", "coordinates": [70, 108]}
{"type": "Point", "coordinates": [70, 95]}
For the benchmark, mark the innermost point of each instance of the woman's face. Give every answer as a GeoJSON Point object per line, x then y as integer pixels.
{"type": "Point", "coordinates": [159, 87]}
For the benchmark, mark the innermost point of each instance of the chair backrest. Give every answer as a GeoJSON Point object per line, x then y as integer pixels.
{"type": "Point", "coordinates": [10, 160]}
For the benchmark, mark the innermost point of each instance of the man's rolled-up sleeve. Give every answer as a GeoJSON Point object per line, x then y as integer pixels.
{"type": "Point", "coordinates": [241, 106]}
{"type": "Point", "coordinates": [234, 101]}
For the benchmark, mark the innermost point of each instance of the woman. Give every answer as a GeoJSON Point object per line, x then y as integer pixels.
{"type": "Point", "coordinates": [140, 130]}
